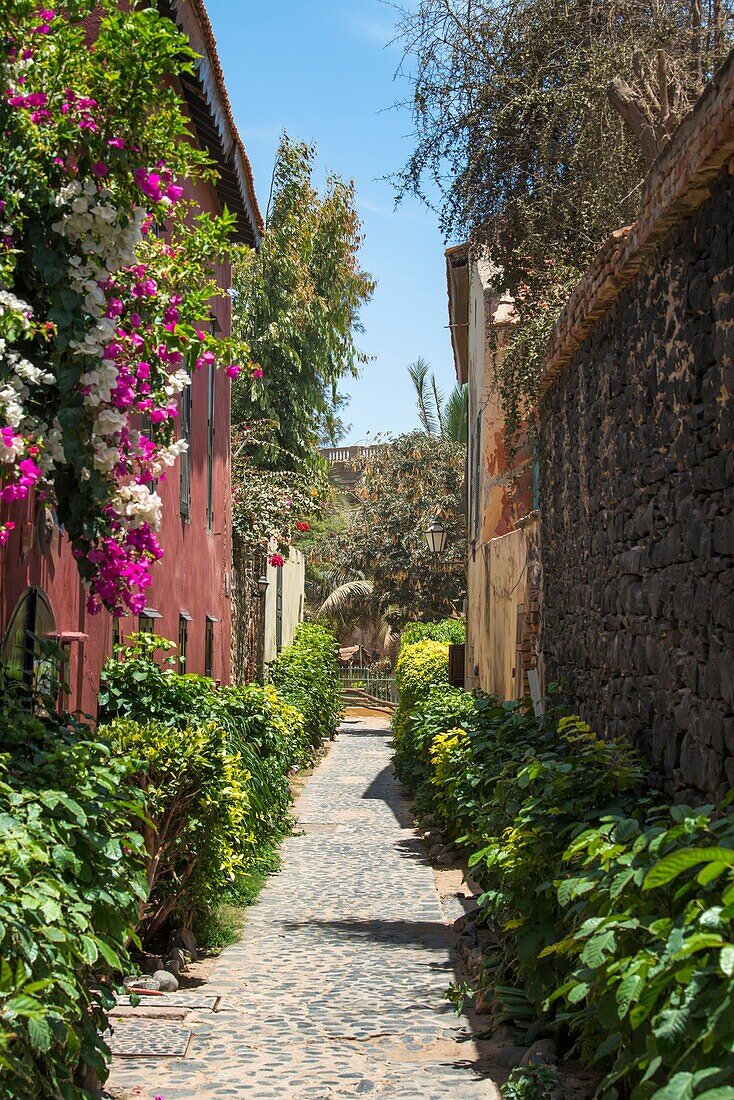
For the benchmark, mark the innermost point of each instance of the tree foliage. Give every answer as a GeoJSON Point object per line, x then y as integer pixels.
{"type": "Point", "coordinates": [406, 481]}
{"type": "Point", "coordinates": [536, 121]}
{"type": "Point", "coordinates": [297, 304]}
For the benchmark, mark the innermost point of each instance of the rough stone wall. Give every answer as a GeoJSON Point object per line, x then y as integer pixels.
{"type": "Point", "coordinates": [637, 471]}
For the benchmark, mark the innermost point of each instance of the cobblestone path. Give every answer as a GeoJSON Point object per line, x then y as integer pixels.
{"type": "Point", "coordinates": [336, 988]}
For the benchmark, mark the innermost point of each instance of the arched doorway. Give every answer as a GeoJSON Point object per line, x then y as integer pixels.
{"type": "Point", "coordinates": [23, 653]}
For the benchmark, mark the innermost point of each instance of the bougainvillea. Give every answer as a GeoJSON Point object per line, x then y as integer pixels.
{"type": "Point", "coordinates": [106, 278]}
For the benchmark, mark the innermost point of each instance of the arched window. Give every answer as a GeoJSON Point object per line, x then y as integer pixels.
{"type": "Point", "coordinates": [31, 623]}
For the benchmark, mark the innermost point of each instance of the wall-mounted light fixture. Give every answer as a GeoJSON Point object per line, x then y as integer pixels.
{"type": "Point", "coordinates": [436, 536]}
{"type": "Point", "coordinates": [261, 588]}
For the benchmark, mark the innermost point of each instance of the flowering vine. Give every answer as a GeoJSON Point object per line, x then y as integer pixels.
{"type": "Point", "coordinates": [106, 279]}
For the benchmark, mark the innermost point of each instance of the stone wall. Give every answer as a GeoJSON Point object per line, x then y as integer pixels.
{"type": "Point", "coordinates": [637, 470]}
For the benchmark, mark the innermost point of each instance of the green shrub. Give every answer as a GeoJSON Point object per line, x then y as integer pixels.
{"type": "Point", "coordinates": [71, 881]}
{"type": "Point", "coordinates": [181, 729]}
{"type": "Point", "coordinates": [198, 833]}
{"type": "Point", "coordinates": [446, 630]}
{"type": "Point", "coordinates": [306, 674]}
{"type": "Point", "coordinates": [650, 950]}
{"type": "Point", "coordinates": [419, 668]}
{"type": "Point", "coordinates": [611, 910]}
{"type": "Point", "coordinates": [443, 708]}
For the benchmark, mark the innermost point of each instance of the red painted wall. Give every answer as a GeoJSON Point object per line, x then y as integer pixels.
{"type": "Point", "coordinates": [192, 577]}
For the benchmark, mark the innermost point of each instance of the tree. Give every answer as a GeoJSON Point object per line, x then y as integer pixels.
{"type": "Point", "coordinates": [536, 121]}
{"type": "Point", "coordinates": [297, 305]}
{"type": "Point", "coordinates": [405, 483]}
{"type": "Point", "coordinates": [439, 415]}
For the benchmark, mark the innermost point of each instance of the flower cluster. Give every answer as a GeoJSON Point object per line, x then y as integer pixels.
{"type": "Point", "coordinates": [101, 314]}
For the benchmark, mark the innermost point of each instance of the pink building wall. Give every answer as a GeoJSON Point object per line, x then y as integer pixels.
{"type": "Point", "coordinates": [194, 576]}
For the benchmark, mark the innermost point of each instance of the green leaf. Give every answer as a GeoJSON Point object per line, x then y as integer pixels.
{"type": "Point", "coordinates": [679, 1087]}
{"type": "Point", "coordinates": [89, 949]}
{"type": "Point", "coordinates": [670, 866]}
{"type": "Point", "coordinates": [22, 1005]}
{"type": "Point", "coordinates": [726, 960]}
{"type": "Point", "coordinates": [40, 1034]}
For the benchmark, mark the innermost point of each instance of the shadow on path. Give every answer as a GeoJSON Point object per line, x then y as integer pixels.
{"type": "Point", "coordinates": [386, 788]}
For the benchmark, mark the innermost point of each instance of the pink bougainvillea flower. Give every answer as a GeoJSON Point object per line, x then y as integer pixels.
{"type": "Point", "coordinates": [149, 183]}
{"type": "Point", "coordinates": [174, 192]}
{"type": "Point", "coordinates": [277, 560]}
{"type": "Point", "coordinates": [205, 359]}
{"type": "Point", "coordinates": [100, 169]}
{"type": "Point", "coordinates": [233, 371]}
{"type": "Point", "coordinates": [257, 372]}
{"type": "Point", "coordinates": [5, 530]}
{"type": "Point", "coordinates": [116, 143]}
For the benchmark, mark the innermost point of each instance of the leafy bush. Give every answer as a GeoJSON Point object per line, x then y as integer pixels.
{"type": "Point", "coordinates": [446, 630]}
{"type": "Point", "coordinates": [306, 674]}
{"type": "Point", "coordinates": [443, 708]}
{"type": "Point", "coordinates": [650, 949]}
{"type": "Point", "coordinates": [419, 668]}
{"type": "Point", "coordinates": [71, 881]}
{"type": "Point", "coordinates": [180, 729]}
{"type": "Point", "coordinates": [610, 909]}
{"type": "Point", "coordinates": [198, 833]}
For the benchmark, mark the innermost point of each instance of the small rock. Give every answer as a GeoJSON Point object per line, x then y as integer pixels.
{"type": "Point", "coordinates": [173, 967]}
{"type": "Point", "coordinates": [188, 941]}
{"type": "Point", "coordinates": [144, 982]}
{"type": "Point", "coordinates": [167, 982]}
{"type": "Point", "coordinates": [446, 858]}
{"type": "Point", "coordinates": [150, 963]}
{"type": "Point", "coordinates": [506, 1034]}
{"type": "Point", "coordinates": [542, 1052]}
{"type": "Point", "coordinates": [509, 1057]}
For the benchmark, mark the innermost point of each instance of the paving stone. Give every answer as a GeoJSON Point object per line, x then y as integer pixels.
{"type": "Point", "coordinates": [336, 988]}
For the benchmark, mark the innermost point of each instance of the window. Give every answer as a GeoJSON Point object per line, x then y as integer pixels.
{"type": "Point", "coordinates": [116, 638]}
{"type": "Point", "coordinates": [31, 622]}
{"type": "Point", "coordinates": [210, 448]}
{"type": "Point", "coordinates": [185, 459]}
{"type": "Point", "coordinates": [146, 620]}
{"type": "Point", "coordinates": [209, 645]}
{"type": "Point", "coordinates": [183, 638]}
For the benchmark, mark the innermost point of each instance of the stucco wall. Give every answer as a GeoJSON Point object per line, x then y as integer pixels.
{"type": "Point", "coordinates": [292, 580]}
{"type": "Point", "coordinates": [636, 490]}
{"type": "Point", "coordinates": [499, 497]}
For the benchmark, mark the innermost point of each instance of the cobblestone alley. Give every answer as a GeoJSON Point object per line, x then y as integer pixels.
{"type": "Point", "coordinates": [337, 986]}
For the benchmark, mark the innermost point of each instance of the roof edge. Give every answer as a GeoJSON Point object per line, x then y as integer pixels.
{"type": "Point", "coordinates": [216, 89]}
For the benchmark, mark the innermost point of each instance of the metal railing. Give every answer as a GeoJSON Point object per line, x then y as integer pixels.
{"type": "Point", "coordinates": [377, 684]}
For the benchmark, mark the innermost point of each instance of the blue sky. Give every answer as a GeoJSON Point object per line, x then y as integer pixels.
{"type": "Point", "coordinates": [323, 70]}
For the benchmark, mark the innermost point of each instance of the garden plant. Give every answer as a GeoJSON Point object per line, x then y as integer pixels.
{"type": "Point", "coordinates": [612, 911]}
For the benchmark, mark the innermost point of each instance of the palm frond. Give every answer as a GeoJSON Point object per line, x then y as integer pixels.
{"type": "Point", "coordinates": [455, 413]}
{"type": "Point", "coordinates": [340, 602]}
{"type": "Point", "coordinates": [438, 397]}
{"type": "Point", "coordinates": [427, 415]}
